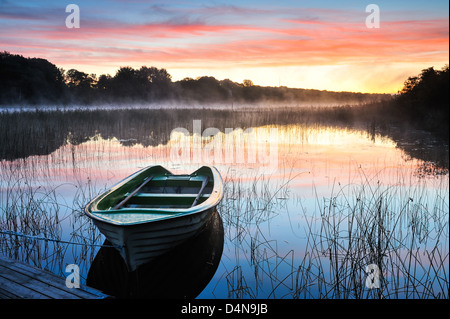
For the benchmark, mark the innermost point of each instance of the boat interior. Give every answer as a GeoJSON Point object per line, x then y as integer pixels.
{"type": "Point", "coordinates": [168, 191]}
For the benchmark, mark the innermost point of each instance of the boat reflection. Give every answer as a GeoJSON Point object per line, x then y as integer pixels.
{"type": "Point", "coordinates": [182, 273]}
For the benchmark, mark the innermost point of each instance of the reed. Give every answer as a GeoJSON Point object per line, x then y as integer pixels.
{"type": "Point", "coordinates": [41, 132]}
{"type": "Point", "coordinates": [261, 267]}
{"type": "Point", "coordinates": [41, 218]}
{"type": "Point", "coordinates": [405, 237]}
{"type": "Point", "coordinates": [402, 229]}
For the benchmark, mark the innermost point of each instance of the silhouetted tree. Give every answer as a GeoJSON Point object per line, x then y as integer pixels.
{"type": "Point", "coordinates": [202, 89]}
{"type": "Point", "coordinates": [155, 83]}
{"type": "Point", "coordinates": [29, 80]}
{"type": "Point", "coordinates": [424, 99]}
{"type": "Point", "coordinates": [104, 83]}
{"type": "Point", "coordinates": [79, 79]}
{"type": "Point", "coordinates": [81, 86]}
{"type": "Point", "coordinates": [146, 84]}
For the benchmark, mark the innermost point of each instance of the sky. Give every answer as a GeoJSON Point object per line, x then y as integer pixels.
{"type": "Point", "coordinates": [325, 45]}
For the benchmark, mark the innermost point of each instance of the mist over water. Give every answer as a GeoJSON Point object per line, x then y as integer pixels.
{"type": "Point", "coordinates": [164, 105]}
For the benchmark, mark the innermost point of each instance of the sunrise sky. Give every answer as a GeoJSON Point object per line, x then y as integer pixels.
{"type": "Point", "coordinates": [305, 44]}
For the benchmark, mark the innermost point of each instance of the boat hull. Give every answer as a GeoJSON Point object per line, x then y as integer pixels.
{"type": "Point", "coordinates": [141, 243]}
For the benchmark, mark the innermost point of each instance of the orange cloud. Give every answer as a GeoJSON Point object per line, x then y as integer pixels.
{"type": "Point", "coordinates": [107, 45]}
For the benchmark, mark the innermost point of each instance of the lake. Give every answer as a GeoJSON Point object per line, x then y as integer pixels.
{"type": "Point", "coordinates": [313, 207]}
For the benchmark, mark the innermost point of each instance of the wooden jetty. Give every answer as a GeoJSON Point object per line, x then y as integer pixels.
{"type": "Point", "coordinates": [22, 281]}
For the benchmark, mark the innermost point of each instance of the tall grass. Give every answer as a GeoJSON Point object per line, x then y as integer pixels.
{"type": "Point", "coordinates": [401, 230]}
{"type": "Point", "coordinates": [406, 237]}
{"type": "Point", "coordinates": [39, 226]}
{"type": "Point", "coordinates": [250, 203]}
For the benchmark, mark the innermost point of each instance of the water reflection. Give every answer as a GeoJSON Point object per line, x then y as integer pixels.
{"type": "Point", "coordinates": [182, 273]}
{"type": "Point", "coordinates": [280, 230]}
{"type": "Point", "coordinates": [42, 133]}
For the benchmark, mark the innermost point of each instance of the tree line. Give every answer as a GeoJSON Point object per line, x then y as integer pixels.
{"type": "Point", "coordinates": [35, 81]}
{"type": "Point", "coordinates": [424, 100]}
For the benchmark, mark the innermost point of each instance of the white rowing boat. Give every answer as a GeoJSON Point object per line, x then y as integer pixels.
{"type": "Point", "coordinates": [152, 211]}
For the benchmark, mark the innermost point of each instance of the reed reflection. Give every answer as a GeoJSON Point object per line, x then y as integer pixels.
{"type": "Point", "coordinates": [43, 132]}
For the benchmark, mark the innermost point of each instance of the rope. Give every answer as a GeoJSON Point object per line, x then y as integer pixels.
{"type": "Point", "coordinates": [12, 233]}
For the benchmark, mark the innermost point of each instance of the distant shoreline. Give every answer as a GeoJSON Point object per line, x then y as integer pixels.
{"type": "Point", "coordinates": [38, 82]}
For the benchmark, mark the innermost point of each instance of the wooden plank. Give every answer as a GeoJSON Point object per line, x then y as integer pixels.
{"type": "Point", "coordinates": [28, 285]}
{"type": "Point", "coordinates": [39, 277]}
{"type": "Point", "coordinates": [164, 195]}
{"type": "Point", "coordinates": [179, 178]}
{"type": "Point", "coordinates": [200, 192]}
{"type": "Point", "coordinates": [5, 294]}
{"type": "Point", "coordinates": [20, 280]}
{"type": "Point", "coordinates": [14, 290]}
{"type": "Point", "coordinates": [148, 179]}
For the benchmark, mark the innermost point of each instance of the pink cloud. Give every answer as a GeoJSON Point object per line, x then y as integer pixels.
{"type": "Point", "coordinates": [292, 42]}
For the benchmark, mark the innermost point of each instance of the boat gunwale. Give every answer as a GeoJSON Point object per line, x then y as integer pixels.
{"type": "Point", "coordinates": [170, 213]}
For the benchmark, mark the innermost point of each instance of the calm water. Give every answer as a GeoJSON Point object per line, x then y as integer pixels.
{"type": "Point", "coordinates": [307, 207]}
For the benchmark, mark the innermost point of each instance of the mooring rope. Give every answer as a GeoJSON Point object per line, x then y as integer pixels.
{"type": "Point", "coordinates": [12, 233]}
